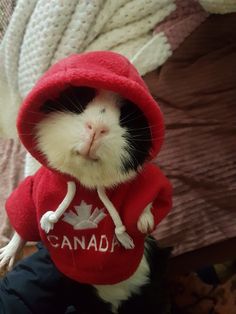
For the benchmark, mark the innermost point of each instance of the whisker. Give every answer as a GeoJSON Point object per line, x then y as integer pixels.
{"type": "Point", "coordinates": [130, 161]}
{"type": "Point", "coordinates": [150, 126]}
{"type": "Point", "coordinates": [144, 128]}
{"type": "Point", "coordinates": [137, 150]}
{"type": "Point", "coordinates": [60, 109]}
{"type": "Point", "coordinates": [125, 120]}
{"type": "Point", "coordinates": [138, 137]}
{"type": "Point", "coordinates": [54, 109]}
{"type": "Point", "coordinates": [135, 114]}
{"type": "Point", "coordinates": [143, 140]}
{"type": "Point", "coordinates": [128, 115]}
{"type": "Point", "coordinates": [75, 105]}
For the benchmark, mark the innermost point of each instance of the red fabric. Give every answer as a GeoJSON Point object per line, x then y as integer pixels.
{"type": "Point", "coordinates": [22, 210]}
{"type": "Point", "coordinates": [89, 255]}
{"type": "Point", "coordinates": [99, 69]}
{"type": "Point", "coordinates": [99, 259]}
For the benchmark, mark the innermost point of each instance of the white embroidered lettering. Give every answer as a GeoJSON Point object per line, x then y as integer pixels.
{"type": "Point", "coordinates": [53, 240]}
{"type": "Point", "coordinates": [80, 242]}
{"type": "Point", "coordinates": [103, 245]}
{"type": "Point", "coordinates": [66, 242]}
{"type": "Point", "coordinates": [114, 243]}
{"type": "Point", "coordinates": [92, 243]}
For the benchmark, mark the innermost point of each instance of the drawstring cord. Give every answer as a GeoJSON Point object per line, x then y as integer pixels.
{"type": "Point", "coordinates": [48, 220]}
{"type": "Point", "coordinates": [122, 236]}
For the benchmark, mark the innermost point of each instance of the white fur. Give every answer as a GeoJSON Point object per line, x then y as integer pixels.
{"type": "Point", "coordinates": [8, 253]}
{"type": "Point", "coordinates": [122, 291]}
{"type": "Point", "coordinates": [61, 134]}
{"type": "Point", "coordinates": [146, 220]}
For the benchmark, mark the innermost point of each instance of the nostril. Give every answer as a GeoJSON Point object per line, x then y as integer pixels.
{"type": "Point", "coordinates": [104, 131]}
{"type": "Point", "coordinates": [89, 126]}
{"type": "Point", "coordinates": [98, 129]}
{"type": "Point", "coordinates": [101, 131]}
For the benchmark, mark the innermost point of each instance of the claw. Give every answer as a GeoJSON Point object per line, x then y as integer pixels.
{"type": "Point", "coordinates": [10, 251]}
{"type": "Point", "coordinates": [11, 263]}
{"type": "Point", "coordinates": [146, 220]}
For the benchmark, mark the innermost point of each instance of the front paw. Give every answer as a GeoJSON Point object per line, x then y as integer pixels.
{"type": "Point", "coordinates": [146, 220]}
{"type": "Point", "coordinates": [48, 220]}
{"type": "Point", "coordinates": [10, 253]}
{"type": "Point", "coordinates": [7, 257]}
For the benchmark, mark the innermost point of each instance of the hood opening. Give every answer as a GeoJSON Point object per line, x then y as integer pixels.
{"type": "Point", "coordinates": [93, 70]}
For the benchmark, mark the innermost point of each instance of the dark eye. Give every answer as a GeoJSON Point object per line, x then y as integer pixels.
{"type": "Point", "coordinates": [73, 99]}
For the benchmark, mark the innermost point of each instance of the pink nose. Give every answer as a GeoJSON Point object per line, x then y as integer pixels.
{"type": "Point", "coordinates": [96, 131]}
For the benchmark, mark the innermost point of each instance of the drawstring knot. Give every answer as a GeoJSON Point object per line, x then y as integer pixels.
{"type": "Point", "coordinates": [120, 231]}
{"type": "Point", "coordinates": [51, 217]}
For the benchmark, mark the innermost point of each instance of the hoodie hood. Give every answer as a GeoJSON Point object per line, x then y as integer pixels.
{"type": "Point", "coordinates": [100, 70]}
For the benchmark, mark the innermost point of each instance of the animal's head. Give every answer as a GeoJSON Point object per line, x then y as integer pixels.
{"type": "Point", "coordinates": [94, 135]}
{"type": "Point", "coordinates": [91, 116]}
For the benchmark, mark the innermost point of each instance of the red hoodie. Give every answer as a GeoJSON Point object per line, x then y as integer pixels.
{"type": "Point", "coordinates": [83, 243]}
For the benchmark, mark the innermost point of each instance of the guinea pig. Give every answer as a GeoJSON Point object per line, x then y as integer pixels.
{"type": "Point", "coordinates": [101, 139]}
{"type": "Point", "coordinates": [97, 197]}
{"type": "Point", "coordinates": [94, 135]}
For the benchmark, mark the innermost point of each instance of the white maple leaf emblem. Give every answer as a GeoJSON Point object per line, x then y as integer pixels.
{"type": "Point", "coordinates": [84, 218]}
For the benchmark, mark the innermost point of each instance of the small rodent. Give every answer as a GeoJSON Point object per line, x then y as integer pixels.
{"type": "Point", "coordinates": [101, 139]}
{"type": "Point", "coordinates": [94, 135]}
{"type": "Point", "coordinates": [94, 127]}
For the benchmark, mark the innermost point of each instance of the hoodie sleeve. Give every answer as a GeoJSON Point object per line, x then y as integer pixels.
{"type": "Point", "coordinates": [153, 188]}
{"type": "Point", "coordinates": [162, 204]}
{"type": "Point", "coordinates": [22, 212]}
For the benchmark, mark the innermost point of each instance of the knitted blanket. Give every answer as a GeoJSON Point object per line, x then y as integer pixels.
{"type": "Point", "coordinates": [42, 32]}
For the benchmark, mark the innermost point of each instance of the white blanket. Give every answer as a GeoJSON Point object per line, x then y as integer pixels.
{"type": "Point", "coordinates": [42, 32]}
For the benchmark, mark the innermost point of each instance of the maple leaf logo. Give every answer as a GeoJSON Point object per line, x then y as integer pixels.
{"type": "Point", "coordinates": [85, 218]}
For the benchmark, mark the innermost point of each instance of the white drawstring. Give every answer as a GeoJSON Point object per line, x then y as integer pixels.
{"type": "Point", "coordinates": [71, 189]}
{"type": "Point", "coordinates": [122, 236]}
{"type": "Point", "coordinates": [48, 220]}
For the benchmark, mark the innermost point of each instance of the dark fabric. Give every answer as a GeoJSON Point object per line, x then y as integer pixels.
{"type": "Point", "coordinates": [35, 286]}
{"type": "Point", "coordinates": [196, 91]}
